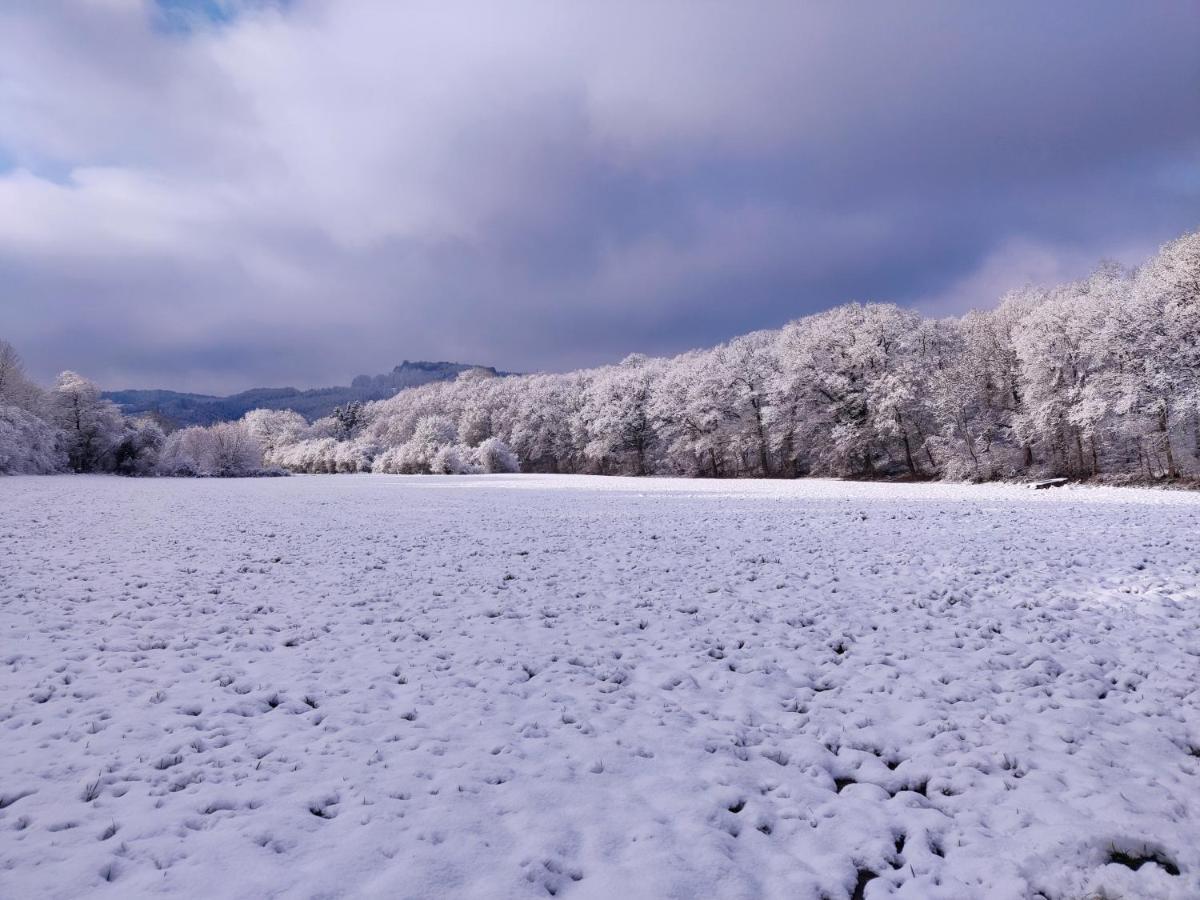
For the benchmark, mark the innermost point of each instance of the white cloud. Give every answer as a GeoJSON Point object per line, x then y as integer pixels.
{"type": "Point", "coordinates": [443, 170]}
{"type": "Point", "coordinates": [1020, 262]}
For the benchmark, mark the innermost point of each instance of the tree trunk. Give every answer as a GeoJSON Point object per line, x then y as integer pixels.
{"type": "Point", "coordinates": [762, 438]}
{"type": "Point", "coordinates": [908, 457]}
{"type": "Point", "coordinates": [968, 440]}
{"type": "Point", "coordinates": [788, 454]}
{"type": "Point", "coordinates": [1172, 471]}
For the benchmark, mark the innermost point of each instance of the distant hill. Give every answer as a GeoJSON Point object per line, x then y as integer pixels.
{"type": "Point", "coordinates": [202, 409]}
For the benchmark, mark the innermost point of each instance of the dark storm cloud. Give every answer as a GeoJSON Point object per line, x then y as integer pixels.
{"type": "Point", "coordinates": [292, 193]}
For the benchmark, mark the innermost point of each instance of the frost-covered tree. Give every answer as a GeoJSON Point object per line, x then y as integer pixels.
{"type": "Point", "coordinates": [1157, 339]}
{"type": "Point", "coordinates": [274, 428]}
{"type": "Point", "coordinates": [137, 451]}
{"type": "Point", "coordinates": [692, 410]}
{"type": "Point", "coordinates": [747, 367]}
{"type": "Point", "coordinates": [1061, 362]}
{"type": "Point", "coordinates": [453, 459]}
{"type": "Point", "coordinates": [975, 393]}
{"type": "Point", "coordinates": [92, 426]}
{"type": "Point", "coordinates": [348, 419]}
{"type": "Point", "coordinates": [858, 373]}
{"type": "Point", "coordinates": [235, 451]}
{"type": "Point", "coordinates": [226, 449]}
{"type": "Point", "coordinates": [15, 387]}
{"type": "Point", "coordinates": [28, 445]}
{"type": "Point", "coordinates": [494, 456]}
{"type": "Point", "coordinates": [416, 456]}
{"type": "Point", "coordinates": [544, 421]}
{"type": "Point", "coordinates": [616, 416]}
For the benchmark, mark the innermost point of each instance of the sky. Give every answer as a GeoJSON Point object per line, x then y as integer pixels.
{"type": "Point", "coordinates": [211, 195]}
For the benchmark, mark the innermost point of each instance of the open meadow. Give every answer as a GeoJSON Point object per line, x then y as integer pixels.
{"type": "Point", "coordinates": [528, 686]}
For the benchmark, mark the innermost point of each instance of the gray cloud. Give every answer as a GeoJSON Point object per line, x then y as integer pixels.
{"type": "Point", "coordinates": [299, 192]}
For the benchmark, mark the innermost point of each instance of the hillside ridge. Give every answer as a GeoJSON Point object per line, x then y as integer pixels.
{"type": "Point", "coordinates": [183, 408]}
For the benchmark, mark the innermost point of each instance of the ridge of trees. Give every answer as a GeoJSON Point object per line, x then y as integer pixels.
{"type": "Point", "coordinates": [1095, 377]}
{"type": "Point", "coordinates": [1099, 376]}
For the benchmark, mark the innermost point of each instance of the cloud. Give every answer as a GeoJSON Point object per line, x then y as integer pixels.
{"type": "Point", "coordinates": [1018, 263]}
{"type": "Point", "coordinates": [209, 195]}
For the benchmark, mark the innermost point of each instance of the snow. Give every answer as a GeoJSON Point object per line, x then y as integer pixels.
{"type": "Point", "coordinates": [518, 686]}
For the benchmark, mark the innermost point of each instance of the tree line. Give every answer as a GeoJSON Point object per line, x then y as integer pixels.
{"type": "Point", "coordinates": [1095, 377]}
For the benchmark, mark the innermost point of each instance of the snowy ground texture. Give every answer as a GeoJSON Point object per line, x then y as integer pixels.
{"type": "Point", "coordinates": [594, 688]}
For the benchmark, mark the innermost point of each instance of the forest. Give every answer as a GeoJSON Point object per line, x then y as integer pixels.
{"type": "Point", "coordinates": [1095, 378]}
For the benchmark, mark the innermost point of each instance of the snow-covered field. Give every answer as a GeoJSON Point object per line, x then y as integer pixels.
{"type": "Point", "coordinates": [523, 686]}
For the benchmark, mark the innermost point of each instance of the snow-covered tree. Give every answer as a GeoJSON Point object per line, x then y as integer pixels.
{"type": "Point", "coordinates": [15, 387]}
{"type": "Point", "coordinates": [275, 428]}
{"type": "Point", "coordinates": [495, 456]}
{"type": "Point", "coordinates": [226, 449]}
{"type": "Point", "coordinates": [348, 420]}
{"type": "Point", "coordinates": [747, 367]}
{"type": "Point", "coordinates": [28, 445]}
{"type": "Point", "coordinates": [859, 374]}
{"type": "Point", "coordinates": [616, 417]}
{"type": "Point", "coordinates": [137, 451]}
{"type": "Point", "coordinates": [692, 408]}
{"type": "Point", "coordinates": [92, 426]}
{"type": "Point", "coordinates": [452, 459]}
{"type": "Point", "coordinates": [1157, 339]}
